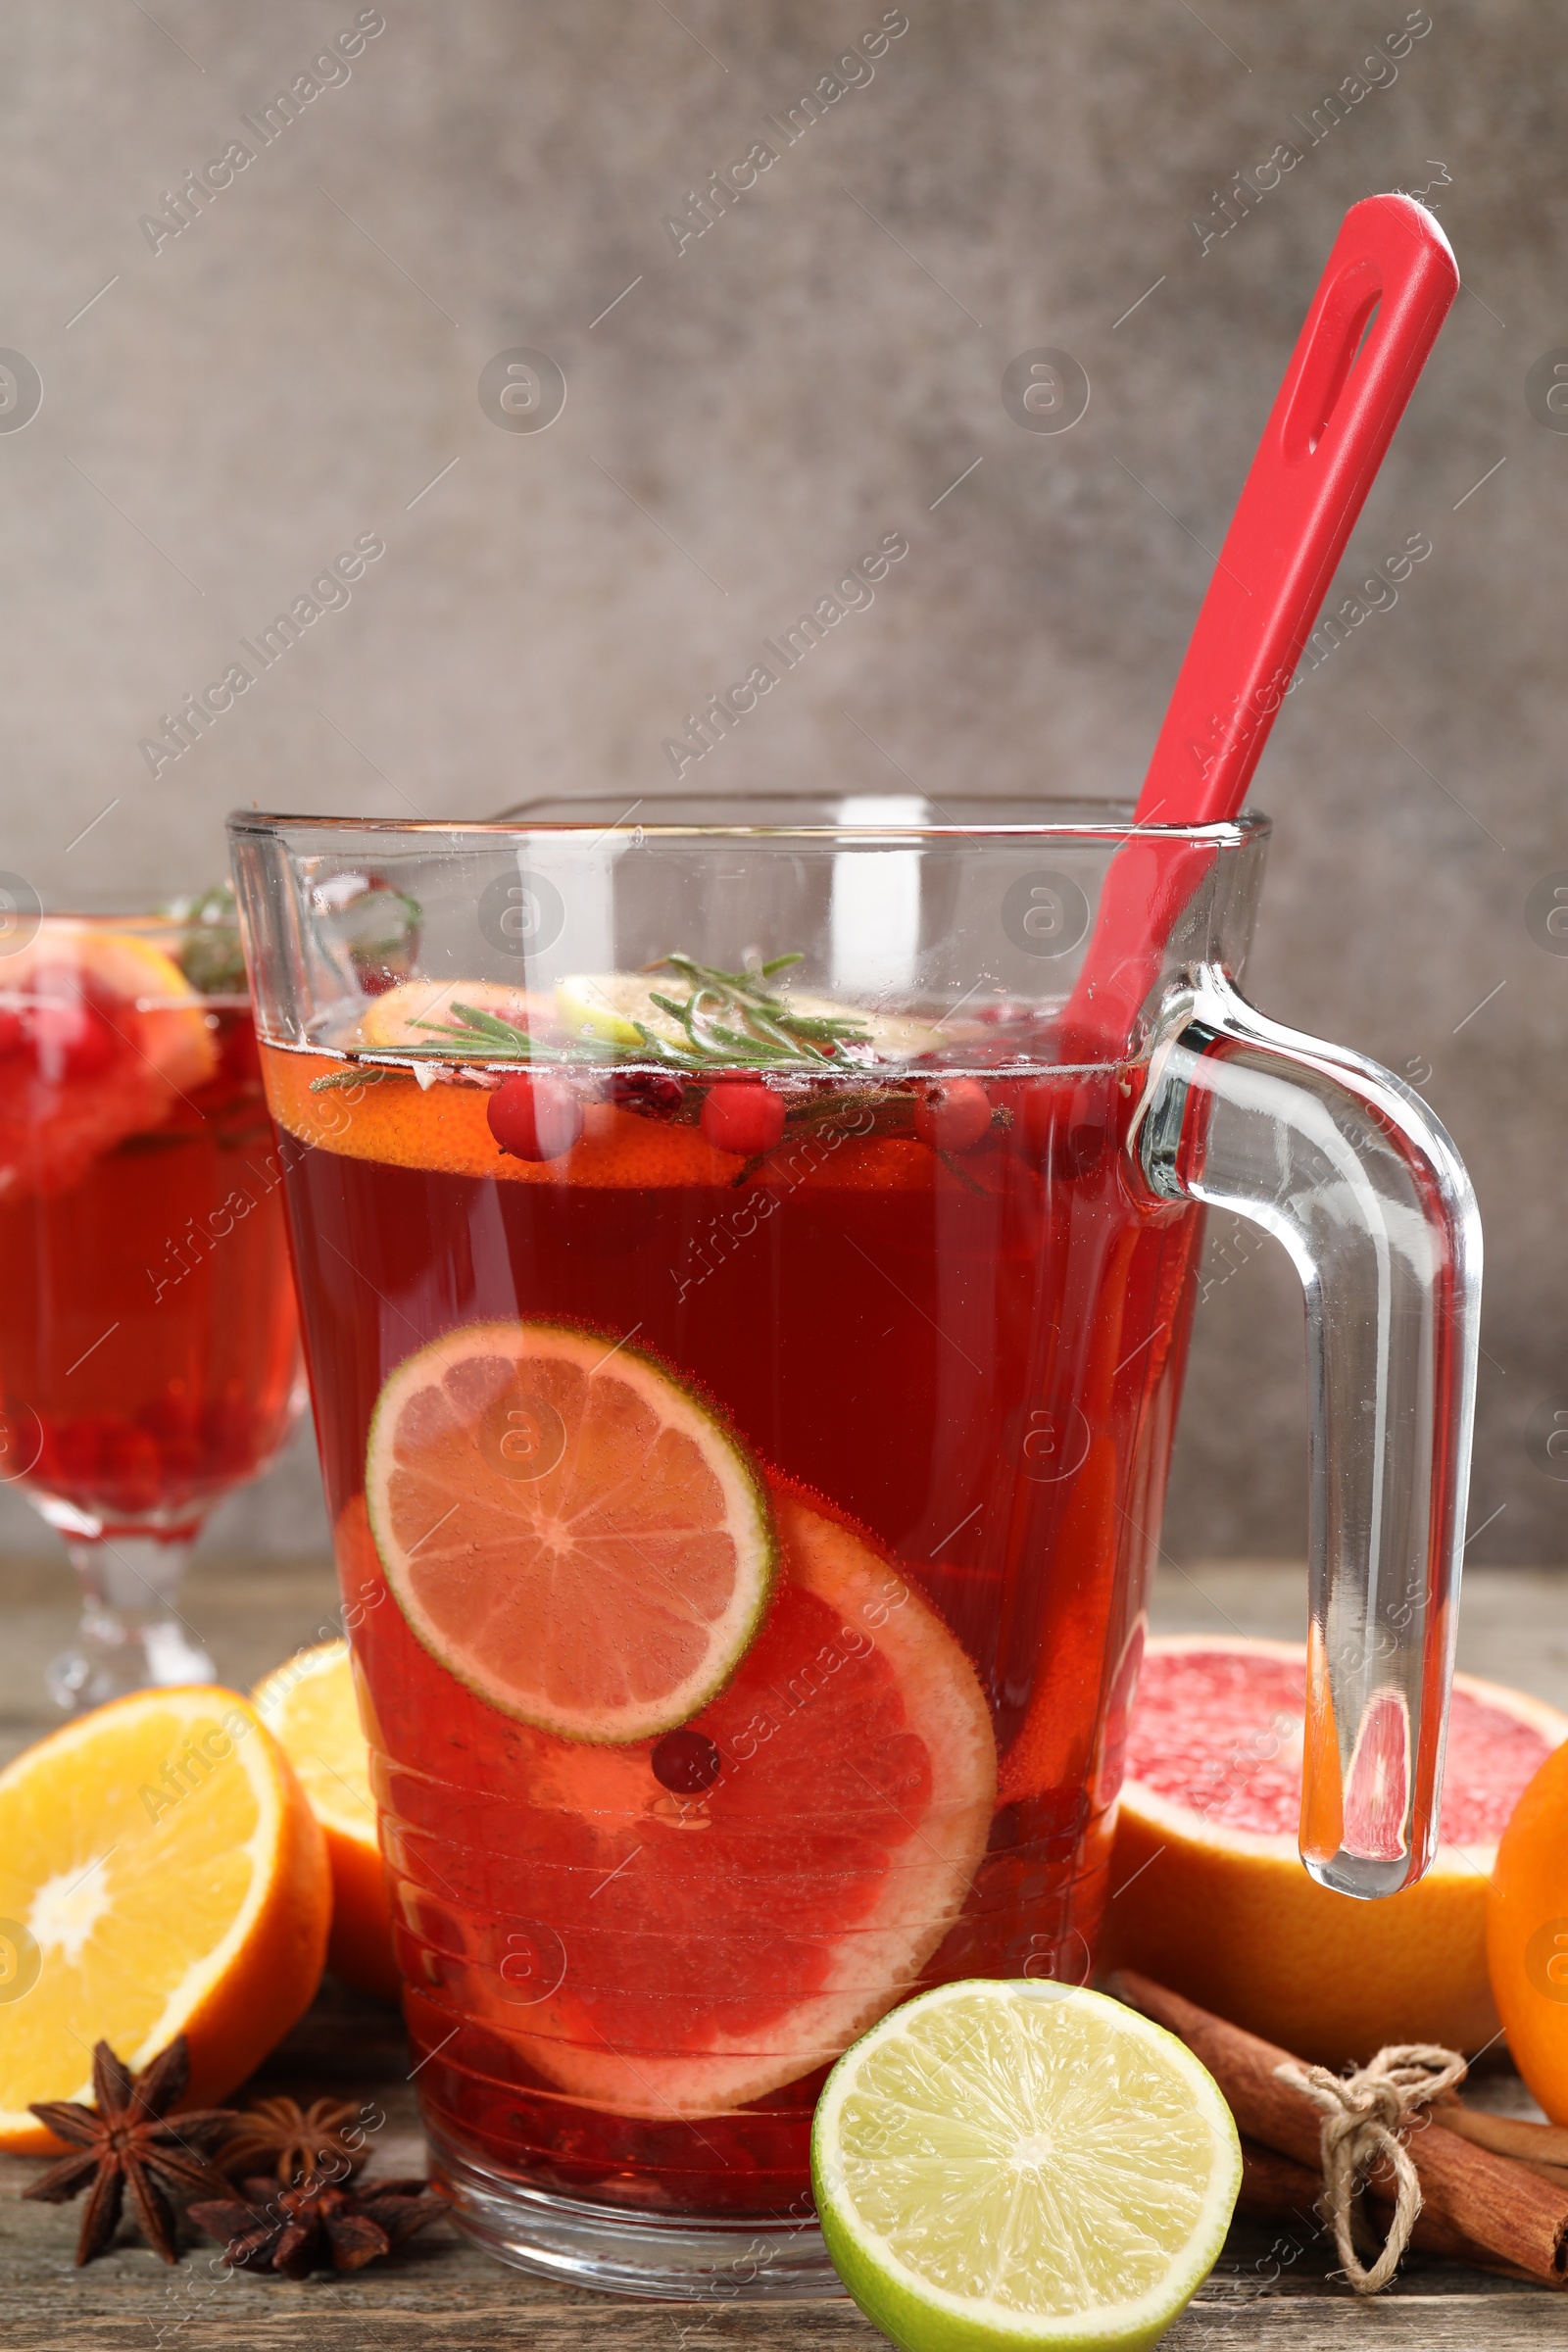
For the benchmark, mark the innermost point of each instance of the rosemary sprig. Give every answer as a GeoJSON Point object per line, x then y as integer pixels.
{"type": "Point", "coordinates": [476, 1027]}
{"type": "Point", "coordinates": [479, 1028]}
{"type": "Point", "coordinates": [748, 1025]}
{"type": "Point", "coordinates": [727, 1020]}
{"type": "Point", "coordinates": [356, 1074]}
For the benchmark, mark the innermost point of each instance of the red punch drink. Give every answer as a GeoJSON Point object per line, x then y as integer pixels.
{"type": "Point", "coordinates": [149, 1359]}
{"type": "Point", "coordinates": [744, 1299]}
{"type": "Point", "coordinates": [936, 1324]}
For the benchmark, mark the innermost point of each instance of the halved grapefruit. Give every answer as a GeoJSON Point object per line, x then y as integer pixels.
{"type": "Point", "coordinates": [568, 1526]}
{"type": "Point", "coordinates": [1208, 1893]}
{"type": "Point", "coordinates": [731, 1905]}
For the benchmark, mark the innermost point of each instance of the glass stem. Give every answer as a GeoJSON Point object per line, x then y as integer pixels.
{"type": "Point", "coordinates": [132, 1635]}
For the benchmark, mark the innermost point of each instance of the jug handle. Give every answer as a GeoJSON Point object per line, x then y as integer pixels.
{"type": "Point", "coordinates": [1348, 1168]}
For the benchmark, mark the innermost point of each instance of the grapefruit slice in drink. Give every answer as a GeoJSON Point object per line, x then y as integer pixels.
{"type": "Point", "coordinates": [569, 1529]}
{"type": "Point", "coordinates": [1208, 1893]}
{"type": "Point", "coordinates": [733, 1777]}
{"type": "Point", "coordinates": [729, 1907]}
{"type": "Point", "coordinates": [680, 1927]}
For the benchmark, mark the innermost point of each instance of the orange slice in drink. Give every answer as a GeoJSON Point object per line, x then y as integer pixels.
{"type": "Point", "coordinates": [415, 1016]}
{"type": "Point", "coordinates": [568, 1528]}
{"type": "Point", "coordinates": [160, 1873]}
{"type": "Point", "coordinates": [101, 1034]}
{"type": "Point", "coordinates": [307, 1706]}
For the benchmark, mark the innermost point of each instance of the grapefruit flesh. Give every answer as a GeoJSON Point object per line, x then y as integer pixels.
{"type": "Point", "coordinates": [1208, 1893]}
{"type": "Point", "coordinates": [718, 1945]}
{"type": "Point", "coordinates": [680, 1950]}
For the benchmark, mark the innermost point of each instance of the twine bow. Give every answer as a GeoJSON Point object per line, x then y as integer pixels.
{"type": "Point", "coordinates": [1364, 2114]}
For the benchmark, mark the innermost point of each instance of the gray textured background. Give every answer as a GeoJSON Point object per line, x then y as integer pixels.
{"type": "Point", "coordinates": [296, 365]}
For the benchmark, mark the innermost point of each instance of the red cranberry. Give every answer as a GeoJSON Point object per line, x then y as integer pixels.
{"type": "Point", "coordinates": [652, 1094]}
{"type": "Point", "coordinates": [376, 978]}
{"type": "Point", "coordinates": [534, 1118]}
{"type": "Point", "coordinates": [11, 1035]}
{"type": "Point", "coordinates": [741, 1115]}
{"type": "Point", "coordinates": [954, 1117]}
{"type": "Point", "coordinates": [686, 1762]}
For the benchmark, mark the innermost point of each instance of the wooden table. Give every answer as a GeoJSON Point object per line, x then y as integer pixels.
{"type": "Point", "coordinates": [1270, 2291]}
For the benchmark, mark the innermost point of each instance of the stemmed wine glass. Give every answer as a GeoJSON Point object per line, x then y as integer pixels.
{"type": "Point", "coordinates": [149, 1352]}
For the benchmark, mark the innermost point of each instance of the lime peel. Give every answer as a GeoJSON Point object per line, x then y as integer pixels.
{"type": "Point", "coordinates": [1009, 2165]}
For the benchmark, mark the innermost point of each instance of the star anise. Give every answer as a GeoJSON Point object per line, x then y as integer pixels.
{"type": "Point", "coordinates": [306, 2144]}
{"type": "Point", "coordinates": [125, 2142]}
{"type": "Point", "coordinates": [292, 2232]}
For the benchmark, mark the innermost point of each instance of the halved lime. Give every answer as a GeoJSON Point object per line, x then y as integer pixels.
{"type": "Point", "coordinates": [568, 1528]}
{"type": "Point", "coordinates": [1007, 2164]}
{"type": "Point", "coordinates": [615, 1007]}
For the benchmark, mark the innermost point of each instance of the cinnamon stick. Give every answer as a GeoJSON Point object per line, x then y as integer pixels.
{"type": "Point", "coordinates": [1276, 2189]}
{"type": "Point", "coordinates": [1543, 2146]}
{"type": "Point", "coordinates": [1509, 2211]}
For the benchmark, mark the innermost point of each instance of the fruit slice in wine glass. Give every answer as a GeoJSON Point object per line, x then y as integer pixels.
{"type": "Point", "coordinates": [100, 1035]}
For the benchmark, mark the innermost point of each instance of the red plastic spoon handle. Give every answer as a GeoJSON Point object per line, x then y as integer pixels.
{"type": "Point", "coordinates": [1322, 446]}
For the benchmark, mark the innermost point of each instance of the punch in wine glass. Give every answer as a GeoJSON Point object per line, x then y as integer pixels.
{"type": "Point", "coordinates": [149, 1355]}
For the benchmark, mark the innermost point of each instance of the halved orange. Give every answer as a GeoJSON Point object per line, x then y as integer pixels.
{"type": "Point", "coordinates": [308, 1705]}
{"type": "Point", "coordinates": [1527, 1934]}
{"type": "Point", "coordinates": [160, 1873]}
{"type": "Point", "coordinates": [568, 1528]}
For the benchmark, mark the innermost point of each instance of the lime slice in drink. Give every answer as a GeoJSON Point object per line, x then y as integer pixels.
{"type": "Point", "coordinates": [1018, 2164]}
{"type": "Point", "coordinates": [617, 1007]}
{"type": "Point", "coordinates": [567, 1529]}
